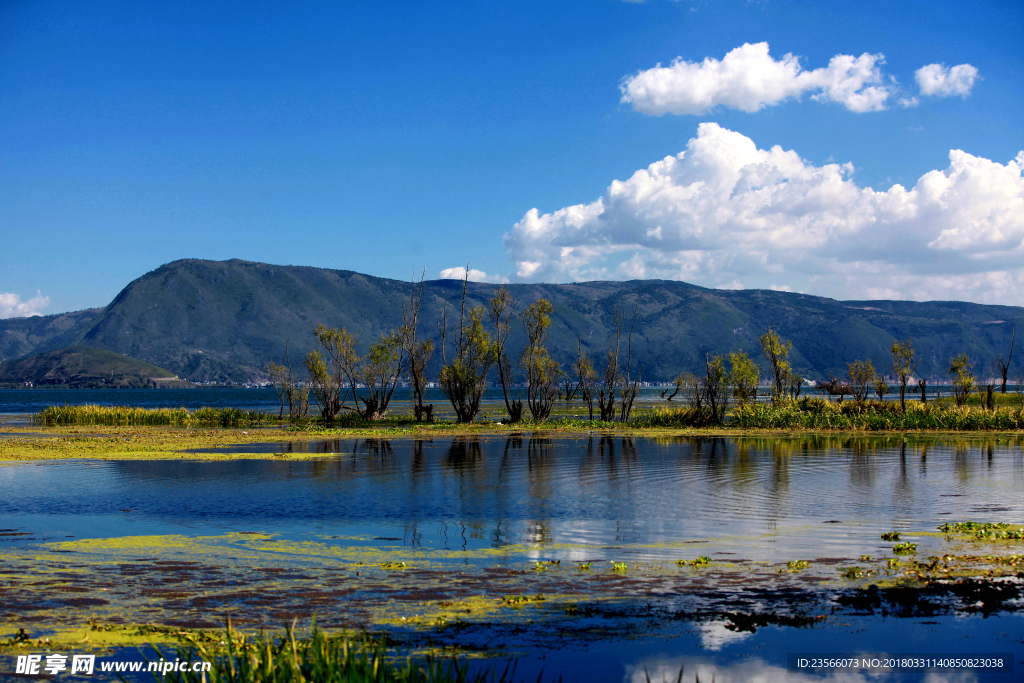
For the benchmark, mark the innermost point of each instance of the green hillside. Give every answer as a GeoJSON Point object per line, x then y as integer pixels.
{"type": "Point", "coordinates": [222, 321]}
{"type": "Point", "coordinates": [84, 367]}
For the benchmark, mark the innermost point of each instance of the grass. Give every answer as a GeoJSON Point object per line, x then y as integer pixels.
{"type": "Point", "coordinates": [816, 413]}
{"type": "Point", "coordinates": [318, 659]}
{"type": "Point", "coordinates": [810, 413]}
{"type": "Point", "coordinates": [130, 416]}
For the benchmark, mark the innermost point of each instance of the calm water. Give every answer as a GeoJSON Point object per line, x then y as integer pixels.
{"type": "Point", "coordinates": [507, 502]}
{"type": "Point", "coordinates": [27, 401]}
{"type": "Point", "coordinates": [772, 499]}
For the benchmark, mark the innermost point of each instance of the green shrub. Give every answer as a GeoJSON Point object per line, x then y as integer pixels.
{"type": "Point", "coordinates": [131, 416]}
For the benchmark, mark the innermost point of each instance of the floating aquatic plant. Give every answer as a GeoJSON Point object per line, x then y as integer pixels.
{"type": "Point", "coordinates": [891, 536]}
{"type": "Point", "coordinates": [904, 548]}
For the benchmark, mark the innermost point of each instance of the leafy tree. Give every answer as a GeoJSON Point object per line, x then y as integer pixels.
{"type": "Point", "coordinates": [419, 353]}
{"type": "Point", "coordinates": [902, 365]}
{"type": "Point", "coordinates": [880, 387]}
{"type": "Point", "coordinates": [716, 387]}
{"type": "Point", "coordinates": [796, 382]}
{"type": "Point", "coordinates": [744, 376]}
{"type": "Point", "coordinates": [862, 375]}
{"type": "Point", "coordinates": [329, 373]}
{"type": "Point", "coordinates": [502, 310]}
{"type": "Point", "coordinates": [542, 372]}
{"type": "Point", "coordinates": [378, 372]}
{"type": "Point", "coordinates": [776, 352]}
{"type": "Point", "coordinates": [1001, 366]}
{"type": "Point", "coordinates": [961, 369]}
{"type": "Point", "coordinates": [463, 378]}
{"type": "Point", "coordinates": [834, 386]}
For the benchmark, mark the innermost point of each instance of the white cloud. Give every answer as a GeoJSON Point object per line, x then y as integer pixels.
{"type": "Point", "coordinates": [11, 305]}
{"type": "Point", "coordinates": [749, 79]}
{"type": "Point", "coordinates": [459, 273]}
{"type": "Point", "coordinates": [937, 80]}
{"type": "Point", "coordinates": [755, 670]}
{"type": "Point", "coordinates": [724, 211]}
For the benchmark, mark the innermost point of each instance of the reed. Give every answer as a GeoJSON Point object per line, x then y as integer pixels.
{"type": "Point", "coordinates": [318, 659]}
{"type": "Point", "coordinates": [131, 416]}
{"type": "Point", "coordinates": [815, 413]}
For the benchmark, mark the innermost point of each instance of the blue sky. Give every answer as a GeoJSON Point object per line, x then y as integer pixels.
{"type": "Point", "coordinates": [389, 137]}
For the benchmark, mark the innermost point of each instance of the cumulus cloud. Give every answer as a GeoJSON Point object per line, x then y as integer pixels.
{"type": "Point", "coordinates": [725, 213]}
{"type": "Point", "coordinates": [749, 79]}
{"type": "Point", "coordinates": [11, 305]}
{"type": "Point", "coordinates": [459, 273]}
{"type": "Point", "coordinates": [938, 80]}
{"type": "Point", "coordinates": [754, 669]}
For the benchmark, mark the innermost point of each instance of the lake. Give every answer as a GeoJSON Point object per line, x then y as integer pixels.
{"type": "Point", "coordinates": [574, 555]}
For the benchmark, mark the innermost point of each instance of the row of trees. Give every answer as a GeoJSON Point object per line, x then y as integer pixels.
{"type": "Point", "coordinates": [341, 381]}
{"type": "Point", "coordinates": [711, 391]}
{"type": "Point", "coordinates": [863, 379]}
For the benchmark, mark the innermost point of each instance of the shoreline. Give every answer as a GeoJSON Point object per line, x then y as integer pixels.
{"type": "Point", "coordinates": [41, 443]}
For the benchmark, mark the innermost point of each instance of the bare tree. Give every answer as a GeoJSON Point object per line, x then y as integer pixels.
{"type": "Point", "coordinates": [796, 383]}
{"type": "Point", "coordinates": [675, 390]}
{"type": "Point", "coordinates": [693, 390]}
{"type": "Point", "coordinates": [1020, 385]}
{"type": "Point", "coordinates": [288, 388]}
{"type": "Point", "coordinates": [606, 392]}
{"type": "Point", "coordinates": [585, 373]}
{"type": "Point", "coordinates": [1001, 366]}
{"type": "Point", "coordinates": [630, 388]}
{"type": "Point", "coordinates": [502, 311]}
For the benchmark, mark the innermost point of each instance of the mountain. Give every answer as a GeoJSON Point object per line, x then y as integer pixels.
{"type": "Point", "coordinates": [20, 337]}
{"type": "Point", "coordinates": [84, 367]}
{"type": "Point", "coordinates": [223, 320]}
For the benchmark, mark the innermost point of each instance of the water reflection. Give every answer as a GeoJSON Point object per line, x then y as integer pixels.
{"type": "Point", "coordinates": [602, 490]}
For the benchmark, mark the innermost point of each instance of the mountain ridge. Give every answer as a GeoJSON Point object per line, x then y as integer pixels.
{"type": "Point", "coordinates": [224, 320]}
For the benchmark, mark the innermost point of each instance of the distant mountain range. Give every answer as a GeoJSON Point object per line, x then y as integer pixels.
{"type": "Point", "coordinates": [222, 321]}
